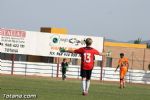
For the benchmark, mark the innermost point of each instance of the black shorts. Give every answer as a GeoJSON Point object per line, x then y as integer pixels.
{"type": "Point", "coordinates": [86, 74]}
{"type": "Point", "coordinates": [64, 71]}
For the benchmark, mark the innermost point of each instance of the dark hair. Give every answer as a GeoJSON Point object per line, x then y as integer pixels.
{"type": "Point", "coordinates": [149, 66]}
{"type": "Point", "coordinates": [64, 59]}
{"type": "Point", "coordinates": [88, 41]}
{"type": "Point", "coordinates": [121, 54]}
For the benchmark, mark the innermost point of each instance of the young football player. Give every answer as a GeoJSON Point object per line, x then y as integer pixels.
{"type": "Point", "coordinates": [87, 62]}
{"type": "Point", "coordinates": [64, 66]}
{"type": "Point", "coordinates": [123, 63]}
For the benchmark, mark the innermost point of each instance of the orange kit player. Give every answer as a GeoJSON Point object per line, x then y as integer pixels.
{"type": "Point", "coordinates": [123, 63]}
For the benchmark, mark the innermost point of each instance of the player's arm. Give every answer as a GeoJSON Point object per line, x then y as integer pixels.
{"type": "Point", "coordinates": [70, 51]}
{"type": "Point", "coordinates": [96, 52]}
{"type": "Point", "coordinates": [79, 51]}
{"type": "Point", "coordinates": [64, 50]}
{"type": "Point", "coordinates": [127, 63]}
{"type": "Point", "coordinates": [108, 54]}
{"type": "Point", "coordinates": [103, 54]}
{"type": "Point", "coordinates": [127, 66]}
{"type": "Point", "coordinates": [117, 68]}
{"type": "Point", "coordinates": [119, 64]}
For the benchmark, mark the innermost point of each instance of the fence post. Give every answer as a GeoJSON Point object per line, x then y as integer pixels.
{"type": "Point", "coordinates": [52, 71]}
{"type": "Point", "coordinates": [129, 75]}
{"type": "Point", "coordinates": [0, 65]}
{"type": "Point", "coordinates": [12, 66]}
{"type": "Point", "coordinates": [144, 77]}
{"type": "Point", "coordinates": [132, 59]}
{"type": "Point", "coordinates": [104, 74]}
{"type": "Point", "coordinates": [25, 70]}
{"type": "Point", "coordinates": [144, 60]}
{"type": "Point", "coordinates": [78, 73]}
{"type": "Point", "coordinates": [57, 67]}
{"type": "Point", "coordinates": [101, 75]}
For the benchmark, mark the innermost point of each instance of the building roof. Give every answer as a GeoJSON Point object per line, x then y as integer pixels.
{"type": "Point", "coordinates": [129, 45]}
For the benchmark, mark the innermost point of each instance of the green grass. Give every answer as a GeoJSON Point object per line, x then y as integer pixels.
{"type": "Point", "coordinates": [56, 89]}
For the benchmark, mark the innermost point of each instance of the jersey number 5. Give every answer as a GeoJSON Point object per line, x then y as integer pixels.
{"type": "Point", "coordinates": [87, 57]}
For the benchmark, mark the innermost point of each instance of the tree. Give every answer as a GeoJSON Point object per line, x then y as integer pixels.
{"type": "Point", "coordinates": [138, 41]}
{"type": "Point", "coordinates": [149, 66]}
{"type": "Point", "coordinates": [148, 45]}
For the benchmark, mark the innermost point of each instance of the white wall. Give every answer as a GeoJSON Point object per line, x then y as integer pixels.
{"type": "Point", "coordinates": [50, 70]}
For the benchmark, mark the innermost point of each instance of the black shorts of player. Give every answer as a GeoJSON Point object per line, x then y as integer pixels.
{"type": "Point", "coordinates": [86, 74]}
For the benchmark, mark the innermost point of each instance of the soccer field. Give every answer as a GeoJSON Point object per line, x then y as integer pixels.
{"type": "Point", "coordinates": [56, 89]}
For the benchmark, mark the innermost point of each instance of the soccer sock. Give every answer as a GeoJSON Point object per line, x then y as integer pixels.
{"type": "Point", "coordinates": [123, 83]}
{"type": "Point", "coordinates": [87, 85]}
{"type": "Point", "coordinates": [83, 85]}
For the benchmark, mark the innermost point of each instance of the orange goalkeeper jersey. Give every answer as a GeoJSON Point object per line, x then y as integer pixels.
{"type": "Point", "coordinates": [123, 62]}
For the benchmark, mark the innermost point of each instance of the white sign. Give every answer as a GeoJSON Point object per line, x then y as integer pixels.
{"type": "Point", "coordinates": [43, 44]}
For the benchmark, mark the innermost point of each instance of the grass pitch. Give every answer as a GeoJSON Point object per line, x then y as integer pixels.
{"type": "Point", "coordinates": [56, 89]}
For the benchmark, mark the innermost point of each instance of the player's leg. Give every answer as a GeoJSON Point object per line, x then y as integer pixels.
{"type": "Point", "coordinates": [124, 73]}
{"type": "Point", "coordinates": [83, 85]}
{"type": "Point", "coordinates": [62, 74]}
{"type": "Point", "coordinates": [121, 83]}
{"type": "Point", "coordinates": [121, 78]}
{"type": "Point", "coordinates": [65, 74]}
{"type": "Point", "coordinates": [83, 75]}
{"type": "Point", "coordinates": [87, 85]}
{"type": "Point", "coordinates": [88, 77]}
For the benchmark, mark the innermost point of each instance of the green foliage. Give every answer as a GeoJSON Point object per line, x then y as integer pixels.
{"type": "Point", "coordinates": [148, 45]}
{"type": "Point", "coordinates": [149, 66]}
{"type": "Point", "coordinates": [138, 41]}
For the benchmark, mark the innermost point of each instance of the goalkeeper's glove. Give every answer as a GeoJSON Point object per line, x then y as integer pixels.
{"type": "Point", "coordinates": [108, 54]}
{"type": "Point", "coordinates": [61, 49]}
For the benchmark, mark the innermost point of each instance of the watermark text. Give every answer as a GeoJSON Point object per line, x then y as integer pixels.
{"type": "Point", "coordinates": [19, 96]}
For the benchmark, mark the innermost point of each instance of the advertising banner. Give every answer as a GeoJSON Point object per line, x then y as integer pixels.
{"type": "Point", "coordinates": [44, 44]}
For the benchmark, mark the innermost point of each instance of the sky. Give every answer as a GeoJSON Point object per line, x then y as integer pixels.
{"type": "Point", "coordinates": [121, 20]}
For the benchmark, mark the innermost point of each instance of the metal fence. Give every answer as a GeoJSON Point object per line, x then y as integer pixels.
{"type": "Point", "coordinates": [53, 70]}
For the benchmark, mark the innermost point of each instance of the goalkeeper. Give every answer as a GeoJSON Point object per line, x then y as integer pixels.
{"type": "Point", "coordinates": [64, 66]}
{"type": "Point", "coordinates": [123, 63]}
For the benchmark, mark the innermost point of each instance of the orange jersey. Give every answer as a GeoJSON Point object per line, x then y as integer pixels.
{"type": "Point", "coordinates": [123, 62]}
